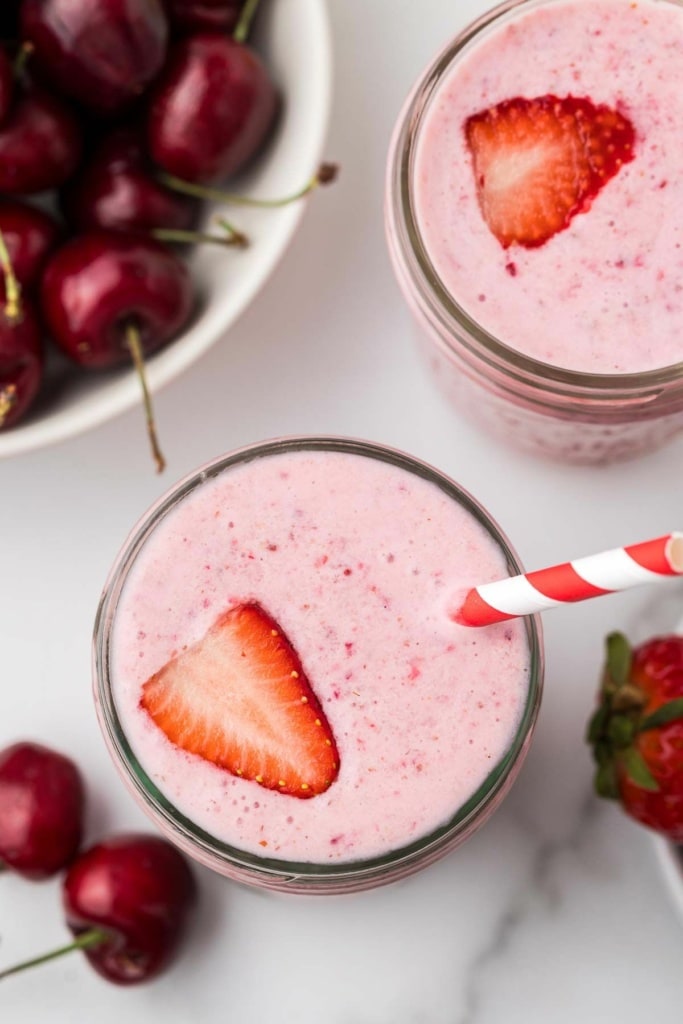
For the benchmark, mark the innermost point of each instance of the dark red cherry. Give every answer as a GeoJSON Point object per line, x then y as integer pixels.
{"type": "Point", "coordinates": [103, 53]}
{"type": "Point", "coordinates": [118, 190]}
{"type": "Point", "coordinates": [40, 144]}
{"type": "Point", "coordinates": [30, 235]}
{"type": "Point", "coordinates": [6, 85]}
{"type": "Point", "coordinates": [99, 284]}
{"type": "Point", "coordinates": [41, 803]}
{"type": "Point", "coordinates": [136, 891]}
{"type": "Point", "coordinates": [21, 373]}
{"type": "Point", "coordinates": [9, 19]}
{"type": "Point", "coordinates": [200, 15]}
{"type": "Point", "coordinates": [211, 109]}
{"type": "Point", "coordinates": [127, 901]}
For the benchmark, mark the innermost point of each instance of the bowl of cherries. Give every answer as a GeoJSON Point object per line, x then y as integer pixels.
{"type": "Point", "coordinates": [154, 159]}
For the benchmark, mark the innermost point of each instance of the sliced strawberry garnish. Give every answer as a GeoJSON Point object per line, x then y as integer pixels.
{"type": "Point", "coordinates": [239, 698]}
{"type": "Point", "coordinates": [539, 162]}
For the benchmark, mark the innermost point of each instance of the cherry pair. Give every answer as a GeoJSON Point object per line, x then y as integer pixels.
{"type": "Point", "coordinates": [126, 899]}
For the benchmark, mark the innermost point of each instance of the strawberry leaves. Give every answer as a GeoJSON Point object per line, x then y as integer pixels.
{"type": "Point", "coordinates": [671, 712]}
{"type": "Point", "coordinates": [637, 770]}
{"type": "Point", "coordinates": [619, 658]}
{"type": "Point", "coordinates": [619, 721]}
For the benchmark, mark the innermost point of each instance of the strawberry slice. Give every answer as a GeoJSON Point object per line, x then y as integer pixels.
{"type": "Point", "coordinates": [239, 698]}
{"type": "Point", "coordinates": [539, 162]}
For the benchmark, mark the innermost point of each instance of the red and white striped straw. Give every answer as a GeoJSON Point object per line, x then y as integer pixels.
{"type": "Point", "coordinates": [593, 576]}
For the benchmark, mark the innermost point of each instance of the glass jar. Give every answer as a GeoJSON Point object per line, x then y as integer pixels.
{"type": "Point", "coordinates": [543, 408]}
{"type": "Point", "coordinates": [265, 871]}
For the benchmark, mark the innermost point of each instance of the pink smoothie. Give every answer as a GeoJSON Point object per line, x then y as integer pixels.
{"type": "Point", "coordinates": [357, 560]}
{"type": "Point", "coordinates": [605, 295]}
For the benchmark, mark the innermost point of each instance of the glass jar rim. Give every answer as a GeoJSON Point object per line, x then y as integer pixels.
{"type": "Point", "coordinates": [436, 302]}
{"type": "Point", "coordinates": [247, 866]}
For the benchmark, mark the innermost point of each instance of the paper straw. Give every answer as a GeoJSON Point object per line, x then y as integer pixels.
{"type": "Point", "coordinates": [593, 576]}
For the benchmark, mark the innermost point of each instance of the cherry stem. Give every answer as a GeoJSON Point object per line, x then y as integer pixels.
{"type": "Point", "coordinates": [233, 236]}
{"type": "Point", "coordinates": [8, 399]}
{"type": "Point", "coordinates": [12, 286]}
{"type": "Point", "coordinates": [243, 26]}
{"type": "Point", "coordinates": [93, 937]}
{"type": "Point", "coordinates": [21, 59]}
{"type": "Point", "coordinates": [135, 347]}
{"type": "Point", "coordinates": [236, 237]}
{"type": "Point", "coordinates": [325, 175]}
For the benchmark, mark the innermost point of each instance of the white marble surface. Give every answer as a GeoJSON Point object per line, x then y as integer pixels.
{"type": "Point", "coordinates": [556, 911]}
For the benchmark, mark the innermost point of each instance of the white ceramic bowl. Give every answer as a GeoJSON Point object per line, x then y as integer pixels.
{"type": "Point", "coordinates": [294, 39]}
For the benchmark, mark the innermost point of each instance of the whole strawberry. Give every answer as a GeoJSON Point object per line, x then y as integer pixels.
{"type": "Point", "coordinates": [637, 732]}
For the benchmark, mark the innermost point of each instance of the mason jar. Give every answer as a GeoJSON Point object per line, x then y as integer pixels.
{"type": "Point", "coordinates": [546, 408]}
{"type": "Point", "coordinates": [312, 512]}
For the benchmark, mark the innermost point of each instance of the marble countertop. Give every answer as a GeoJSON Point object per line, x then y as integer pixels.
{"type": "Point", "coordinates": [557, 909]}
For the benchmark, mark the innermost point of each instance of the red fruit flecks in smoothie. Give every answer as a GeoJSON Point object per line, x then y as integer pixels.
{"type": "Point", "coordinates": [538, 162]}
{"type": "Point", "coordinates": [239, 698]}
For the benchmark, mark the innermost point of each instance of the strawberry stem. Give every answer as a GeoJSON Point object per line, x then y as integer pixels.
{"type": "Point", "coordinates": [243, 26]}
{"type": "Point", "coordinates": [93, 937]}
{"type": "Point", "coordinates": [325, 175]}
{"type": "Point", "coordinates": [12, 286]}
{"type": "Point", "coordinates": [135, 347]}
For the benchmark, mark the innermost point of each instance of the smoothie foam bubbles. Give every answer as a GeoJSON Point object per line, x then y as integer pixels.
{"type": "Point", "coordinates": [353, 551]}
